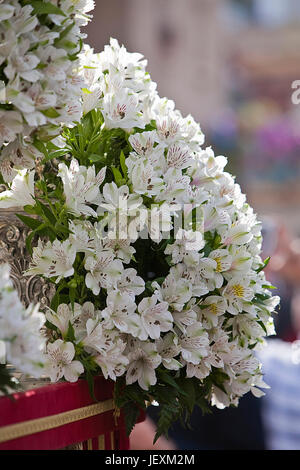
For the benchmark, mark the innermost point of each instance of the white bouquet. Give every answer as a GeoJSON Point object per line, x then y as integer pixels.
{"type": "Point", "coordinates": [153, 249]}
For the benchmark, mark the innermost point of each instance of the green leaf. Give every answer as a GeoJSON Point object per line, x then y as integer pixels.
{"type": "Point", "coordinates": [41, 147]}
{"type": "Point", "coordinates": [50, 113]}
{"type": "Point", "coordinates": [46, 212]}
{"type": "Point", "coordinates": [117, 174]}
{"type": "Point", "coordinates": [166, 377]}
{"type": "Point", "coordinates": [131, 414]}
{"type": "Point", "coordinates": [56, 298]}
{"type": "Point", "coordinates": [70, 336]}
{"type": "Point", "coordinates": [72, 293]}
{"type": "Point", "coordinates": [28, 242]}
{"type": "Point", "coordinates": [262, 266]}
{"type": "Point", "coordinates": [50, 326]}
{"type": "Point", "coordinates": [67, 44]}
{"type": "Point", "coordinates": [91, 385]}
{"type": "Point", "coordinates": [45, 8]}
{"type": "Point", "coordinates": [97, 158]}
{"type": "Point", "coordinates": [55, 154]}
{"type": "Point", "coordinates": [263, 326]}
{"type": "Point", "coordinates": [123, 164]}
{"type": "Point", "coordinates": [29, 221]}
{"type": "Point", "coordinates": [64, 33]}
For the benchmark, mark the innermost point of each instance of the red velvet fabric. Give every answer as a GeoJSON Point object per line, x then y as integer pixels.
{"type": "Point", "coordinates": [58, 398]}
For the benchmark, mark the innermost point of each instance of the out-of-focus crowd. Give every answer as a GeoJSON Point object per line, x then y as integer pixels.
{"type": "Point", "coordinates": [273, 421]}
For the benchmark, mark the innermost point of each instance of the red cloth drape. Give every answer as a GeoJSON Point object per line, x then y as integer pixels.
{"type": "Point", "coordinates": [57, 398]}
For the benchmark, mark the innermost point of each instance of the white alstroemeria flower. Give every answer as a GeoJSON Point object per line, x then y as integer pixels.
{"type": "Point", "coordinates": [191, 132]}
{"type": "Point", "coordinates": [121, 248]}
{"type": "Point", "coordinates": [158, 221]}
{"type": "Point", "coordinates": [113, 363]}
{"type": "Point", "coordinates": [219, 398]}
{"type": "Point", "coordinates": [53, 259]}
{"type": "Point", "coordinates": [143, 143]}
{"type": "Point", "coordinates": [63, 317]}
{"type": "Point", "coordinates": [130, 283]}
{"type": "Point", "coordinates": [224, 263]}
{"type": "Point", "coordinates": [186, 241]}
{"type": "Point", "coordinates": [200, 370]}
{"type": "Point", "coordinates": [179, 156]}
{"type": "Point", "coordinates": [119, 200]}
{"type": "Point", "coordinates": [25, 352]}
{"type": "Point", "coordinates": [60, 362]}
{"type": "Point", "coordinates": [121, 109]}
{"type": "Point", "coordinates": [229, 191]}
{"type": "Point", "coordinates": [24, 21]}
{"type": "Point", "coordinates": [142, 364]}
{"type": "Point", "coordinates": [222, 258]}
{"type": "Point", "coordinates": [198, 284]}
{"type": "Point", "coordinates": [211, 308]}
{"type": "Point", "coordinates": [21, 192]}
{"type": "Point", "coordinates": [194, 343]}
{"type": "Point", "coordinates": [155, 317]}
{"type": "Point", "coordinates": [168, 128]}
{"type": "Point", "coordinates": [120, 312]}
{"type": "Point", "coordinates": [82, 236]}
{"type": "Point", "coordinates": [214, 218]}
{"type": "Point", "coordinates": [16, 156]}
{"type": "Point", "coordinates": [91, 97]}
{"type": "Point", "coordinates": [6, 11]}
{"type": "Point", "coordinates": [122, 212]}
{"type": "Point", "coordinates": [186, 317]}
{"type": "Point", "coordinates": [238, 294]}
{"type": "Point", "coordinates": [104, 270]}
{"type": "Point", "coordinates": [20, 329]}
{"type": "Point", "coordinates": [117, 55]}
{"type": "Point", "coordinates": [81, 187]}
{"type": "Point", "coordinates": [83, 313]}
{"type": "Point", "coordinates": [236, 234]}
{"type": "Point", "coordinates": [206, 271]}
{"type": "Point", "coordinates": [177, 186]}
{"type": "Point", "coordinates": [95, 338]}
{"type": "Point", "coordinates": [23, 64]}
{"type": "Point", "coordinates": [144, 179]}
{"type": "Point", "coordinates": [175, 292]}
{"type": "Point", "coordinates": [241, 262]}
{"type": "Point", "coordinates": [168, 349]}
{"type": "Point", "coordinates": [56, 61]}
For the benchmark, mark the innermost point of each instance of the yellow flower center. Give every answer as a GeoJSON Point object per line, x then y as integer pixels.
{"type": "Point", "coordinates": [214, 309]}
{"type": "Point", "coordinates": [238, 290]}
{"type": "Point", "coordinates": [219, 265]}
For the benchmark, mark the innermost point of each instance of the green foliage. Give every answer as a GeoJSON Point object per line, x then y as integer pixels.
{"type": "Point", "coordinates": [262, 266]}
{"type": "Point", "coordinates": [213, 242]}
{"type": "Point", "coordinates": [43, 8]}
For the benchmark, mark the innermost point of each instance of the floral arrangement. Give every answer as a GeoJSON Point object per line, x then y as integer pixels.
{"type": "Point", "coordinates": [40, 45]}
{"type": "Point", "coordinates": [153, 250]}
{"type": "Point", "coordinates": [22, 342]}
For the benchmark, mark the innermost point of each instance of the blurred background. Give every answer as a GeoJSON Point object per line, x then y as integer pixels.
{"type": "Point", "coordinates": [232, 65]}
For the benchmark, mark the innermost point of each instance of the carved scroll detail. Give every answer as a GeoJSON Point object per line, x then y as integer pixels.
{"type": "Point", "coordinates": [13, 233]}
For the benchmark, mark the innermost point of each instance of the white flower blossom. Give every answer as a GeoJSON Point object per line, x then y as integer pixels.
{"type": "Point", "coordinates": [60, 362]}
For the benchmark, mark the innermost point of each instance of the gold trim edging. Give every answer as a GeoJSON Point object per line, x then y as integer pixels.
{"type": "Point", "coordinates": [14, 431]}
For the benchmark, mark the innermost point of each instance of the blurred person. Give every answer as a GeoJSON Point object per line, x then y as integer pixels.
{"type": "Point", "coordinates": [142, 438]}
{"type": "Point", "coordinates": [280, 407]}
{"type": "Point", "coordinates": [283, 271]}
